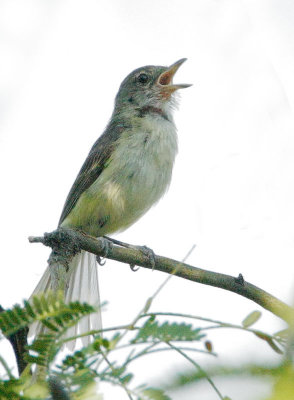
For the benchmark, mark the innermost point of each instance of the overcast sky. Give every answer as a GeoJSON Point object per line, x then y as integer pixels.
{"type": "Point", "coordinates": [232, 192]}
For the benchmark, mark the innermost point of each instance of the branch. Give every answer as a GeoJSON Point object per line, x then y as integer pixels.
{"type": "Point", "coordinates": [134, 256]}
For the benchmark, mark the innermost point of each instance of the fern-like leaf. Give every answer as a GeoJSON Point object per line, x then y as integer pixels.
{"type": "Point", "coordinates": [167, 331]}
{"type": "Point", "coordinates": [53, 313]}
{"type": "Point", "coordinates": [49, 309]}
{"type": "Point", "coordinates": [45, 347]}
{"type": "Point", "coordinates": [10, 389]}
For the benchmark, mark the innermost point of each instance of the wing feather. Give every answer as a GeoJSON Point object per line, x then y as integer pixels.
{"type": "Point", "coordinates": [93, 165]}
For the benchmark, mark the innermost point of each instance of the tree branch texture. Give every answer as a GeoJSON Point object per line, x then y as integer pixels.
{"type": "Point", "coordinates": [77, 240]}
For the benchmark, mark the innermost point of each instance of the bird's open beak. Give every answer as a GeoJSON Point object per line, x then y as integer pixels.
{"type": "Point", "coordinates": [165, 80]}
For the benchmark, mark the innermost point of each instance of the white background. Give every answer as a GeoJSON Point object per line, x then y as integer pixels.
{"type": "Point", "coordinates": [61, 63]}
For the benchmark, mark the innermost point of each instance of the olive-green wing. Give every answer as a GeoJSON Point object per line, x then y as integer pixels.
{"type": "Point", "coordinates": [92, 167]}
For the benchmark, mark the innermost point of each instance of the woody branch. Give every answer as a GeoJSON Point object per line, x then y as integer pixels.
{"type": "Point", "coordinates": [78, 240]}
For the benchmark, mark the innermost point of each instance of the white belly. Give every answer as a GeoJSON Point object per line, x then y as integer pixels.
{"type": "Point", "coordinates": [136, 176]}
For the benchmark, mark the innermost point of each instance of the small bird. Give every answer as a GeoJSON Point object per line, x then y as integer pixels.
{"type": "Point", "coordinates": [127, 170]}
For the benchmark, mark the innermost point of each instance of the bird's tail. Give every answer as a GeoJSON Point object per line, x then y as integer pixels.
{"type": "Point", "coordinates": [83, 287]}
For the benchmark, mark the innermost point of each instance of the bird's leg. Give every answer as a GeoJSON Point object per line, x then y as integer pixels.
{"type": "Point", "coordinates": [146, 251]}
{"type": "Point", "coordinates": [107, 244]}
{"type": "Point", "coordinates": [149, 253]}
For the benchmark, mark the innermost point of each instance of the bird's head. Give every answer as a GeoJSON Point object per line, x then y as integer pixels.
{"type": "Point", "coordinates": [149, 86]}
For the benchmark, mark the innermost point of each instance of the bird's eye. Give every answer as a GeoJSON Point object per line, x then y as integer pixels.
{"type": "Point", "coordinates": [143, 78]}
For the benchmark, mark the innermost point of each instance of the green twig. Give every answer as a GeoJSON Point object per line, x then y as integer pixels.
{"type": "Point", "coordinates": [7, 369]}
{"type": "Point", "coordinates": [128, 327]}
{"type": "Point", "coordinates": [196, 365]}
{"type": "Point", "coordinates": [167, 349]}
{"type": "Point", "coordinates": [127, 390]}
{"type": "Point", "coordinates": [219, 324]}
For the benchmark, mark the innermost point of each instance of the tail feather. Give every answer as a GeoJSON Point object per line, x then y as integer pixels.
{"type": "Point", "coordinates": [42, 287]}
{"type": "Point", "coordinates": [83, 287]}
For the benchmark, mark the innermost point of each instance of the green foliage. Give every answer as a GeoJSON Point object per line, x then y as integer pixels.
{"type": "Point", "coordinates": [9, 389]}
{"type": "Point", "coordinates": [76, 375]}
{"type": "Point", "coordinates": [56, 317]}
{"type": "Point", "coordinates": [246, 370]}
{"type": "Point", "coordinates": [50, 310]}
{"type": "Point", "coordinates": [270, 340]}
{"type": "Point", "coordinates": [153, 394]}
{"type": "Point", "coordinates": [251, 319]}
{"type": "Point", "coordinates": [284, 386]}
{"type": "Point", "coordinates": [281, 375]}
{"type": "Point", "coordinates": [167, 332]}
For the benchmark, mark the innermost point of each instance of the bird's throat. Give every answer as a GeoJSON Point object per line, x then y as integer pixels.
{"type": "Point", "coordinates": [146, 110]}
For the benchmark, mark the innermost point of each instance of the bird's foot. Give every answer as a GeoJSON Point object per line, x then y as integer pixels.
{"type": "Point", "coordinates": [149, 254]}
{"type": "Point", "coordinates": [146, 251]}
{"type": "Point", "coordinates": [107, 245]}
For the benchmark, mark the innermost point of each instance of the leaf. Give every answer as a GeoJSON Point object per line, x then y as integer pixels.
{"type": "Point", "coordinates": [11, 389]}
{"type": "Point", "coordinates": [154, 394]}
{"type": "Point", "coordinates": [269, 340]}
{"type": "Point", "coordinates": [148, 304]}
{"type": "Point", "coordinates": [89, 392]}
{"type": "Point", "coordinates": [167, 332]}
{"type": "Point", "coordinates": [283, 334]}
{"type": "Point", "coordinates": [38, 390]}
{"type": "Point", "coordinates": [57, 318]}
{"type": "Point", "coordinates": [114, 340]}
{"type": "Point", "coordinates": [49, 309]}
{"type": "Point", "coordinates": [253, 317]}
{"type": "Point", "coordinates": [126, 378]}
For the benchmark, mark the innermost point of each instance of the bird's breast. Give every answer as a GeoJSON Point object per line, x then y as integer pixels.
{"type": "Point", "coordinates": [142, 162]}
{"type": "Point", "coordinates": [136, 175]}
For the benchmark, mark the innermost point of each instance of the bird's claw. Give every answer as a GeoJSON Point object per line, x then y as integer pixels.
{"type": "Point", "coordinates": [101, 260]}
{"type": "Point", "coordinates": [134, 267]}
{"type": "Point", "coordinates": [149, 253]}
{"type": "Point", "coordinates": [107, 245]}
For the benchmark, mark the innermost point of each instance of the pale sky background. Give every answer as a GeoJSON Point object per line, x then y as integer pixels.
{"type": "Point", "coordinates": [232, 193]}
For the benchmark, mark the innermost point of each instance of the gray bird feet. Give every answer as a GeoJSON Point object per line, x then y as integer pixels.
{"type": "Point", "coordinates": [107, 244]}
{"type": "Point", "coordinates": [149, 254]}
{"type": "Point", "coordinates": [146, 251]}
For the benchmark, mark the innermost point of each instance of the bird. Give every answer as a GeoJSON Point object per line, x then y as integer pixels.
{"type": "Point", "coordinates": [126, 172]}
